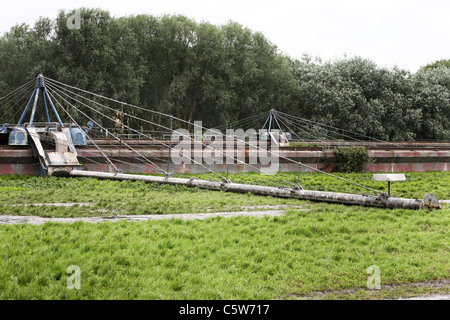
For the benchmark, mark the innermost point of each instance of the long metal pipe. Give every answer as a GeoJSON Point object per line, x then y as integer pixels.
{"type": "Point", "coordinates": [345, 198]}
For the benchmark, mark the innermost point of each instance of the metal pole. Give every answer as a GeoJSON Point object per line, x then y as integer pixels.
{"type": "Point", "coordinates": [54, 109]}
{"type": "Point", "coordinates": [270, 121]}
{"type": "Point", "coordinates": [264, 122]}
{"type": "Point", "coordinates": [334, 197]}
{"type": "Point", "coordinates": [26, 109]}
{"type": "Point", "coordinates": [33, 111]}
{"type": "Point", "coordinates": [45, 106]}
{"type": "Point", "coordinates": [276, 120]}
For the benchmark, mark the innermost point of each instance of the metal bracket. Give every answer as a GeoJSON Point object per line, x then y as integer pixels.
{"type": "Point", "coordinates": [382, 196]}
{"type": "Point", "coordinates": [430, 202]}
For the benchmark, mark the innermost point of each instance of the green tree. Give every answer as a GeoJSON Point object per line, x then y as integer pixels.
{"type": "Point", "coordinates": [437, 64]}
{"type": "Point", "coordinates": [218, 74]}
{"type": "Point", "coordinates": [432, 97]}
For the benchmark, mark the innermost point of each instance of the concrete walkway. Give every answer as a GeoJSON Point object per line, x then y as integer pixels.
{"type": "Point", "coordinates": [197, 216]}
{"type": "Point", "coordinates": [430, 297]}
{"type": "Point", "coordinates": [190, 216]}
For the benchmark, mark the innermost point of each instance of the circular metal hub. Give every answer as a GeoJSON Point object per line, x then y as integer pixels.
{"type": "Point", "coordinates": [430, 202]}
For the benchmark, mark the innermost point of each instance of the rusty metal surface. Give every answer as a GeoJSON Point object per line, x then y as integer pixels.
{"type": "Point", "coordinates": [430, 202]}
{"type": "Point", "coordinates": [62, 159]}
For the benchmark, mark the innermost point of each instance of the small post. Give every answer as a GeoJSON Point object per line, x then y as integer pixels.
{"type": "Point", "coordinates": [168, 167]}
{"type": "Point", "coordinates": [168, 158]}
{"type": "Point", "coordinates": [389, 178]}
{"type": "Point", "coordinates": [122, 128]}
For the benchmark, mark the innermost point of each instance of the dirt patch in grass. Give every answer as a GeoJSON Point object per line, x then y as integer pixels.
{"type": "Point", "coordinates": [408, 291]}
{"type": "Point", "coordinates": [431, 297]}
{"type": "Point", "coordinates": [194, 216]}
{"type": "Point", "coordinates": [80, 204]}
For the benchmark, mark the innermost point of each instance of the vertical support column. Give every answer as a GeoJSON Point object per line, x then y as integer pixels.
{"type": "Point", "coordinates": [267, 120]}
{"type": "Point", "coordinates": [47, 116]}
{"type": "Point", "coordinates": [276, 121]}
{"type": "Point", "coordinates": [28, 106]}
{"type": "Point", "coordinates": [33, 111]}
{"type": "Point", "coordinates": [270, 120]}
{"type": "Point", "coordinates": [54, 109]}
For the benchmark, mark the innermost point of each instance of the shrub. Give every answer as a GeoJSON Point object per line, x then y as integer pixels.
{"type": "Point", "coordinates": [350, 159]}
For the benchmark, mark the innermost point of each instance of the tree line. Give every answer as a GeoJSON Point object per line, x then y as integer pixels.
{"type": "Point", "coordinates": [220, 74]}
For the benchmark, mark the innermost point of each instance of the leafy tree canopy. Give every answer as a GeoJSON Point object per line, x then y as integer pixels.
{"type": "Point", "coordinates": [219, 74]}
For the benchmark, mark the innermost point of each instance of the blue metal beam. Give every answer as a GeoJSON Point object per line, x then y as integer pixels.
{"type": "Point", "coordinates": [270, 120]}
{"type": "Point", "coordinates": [26, 109]}
{"type": "Point", "coordinates": [54, 109]}
{"type": "Point", "coordinates": [33, 111]}
{"type": "Point", "coordinates": [276, 120]}
{"type": "Point", "coordinates": [266, 122]}
{"type": "Point", "coordinates": [45, 106]}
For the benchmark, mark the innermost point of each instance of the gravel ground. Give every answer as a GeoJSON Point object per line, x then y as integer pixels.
{"type": "Point", "coordinates": [275, 210]}
{"type": "Point", "coordinates": [431, 297]}
{"type": "Point", "coordinates": [40, 220]}
{"type": "Point", "coordinates": [81, 204]}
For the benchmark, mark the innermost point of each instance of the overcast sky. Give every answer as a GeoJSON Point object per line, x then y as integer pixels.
{"type": "Point", "coordinates": [403, 33]}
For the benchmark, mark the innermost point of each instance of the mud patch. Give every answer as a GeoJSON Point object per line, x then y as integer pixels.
{"type": "Point", "coordinates": [80, 204]}
{"type": "Point", "coordinates": [442, 286]}
{"type": "Point", "coordinates": [191, 216]}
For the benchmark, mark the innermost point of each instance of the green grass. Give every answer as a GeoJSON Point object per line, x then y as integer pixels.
{"type": "Point", "coordinates": [287, 257]}
{"type": "Point", "coordinates": [114, 198]}
{"type": "Point", "coordinates": [294, 256]}
{"type": "Point", "coordinates": [417, 185]}
{"type": "Point", "coordinates": [137, 197]}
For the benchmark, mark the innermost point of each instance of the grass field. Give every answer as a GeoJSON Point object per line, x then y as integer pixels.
{"type": "Point", "coordinates": [136, 197]}
{"type": "Point", "coordinates": [295, 256]}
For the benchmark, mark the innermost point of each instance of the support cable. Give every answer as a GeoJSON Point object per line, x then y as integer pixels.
{"type": "Point", "coordinates": [101, 151]}
{"type": "Point", "coordinates": [140, 154]}
{"type": "Point", "coordinates": [162, 126]}
{"type": "Point", "coordinates": [160, 113]}
{"type": "Point", "coordinates": [144, 134]}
